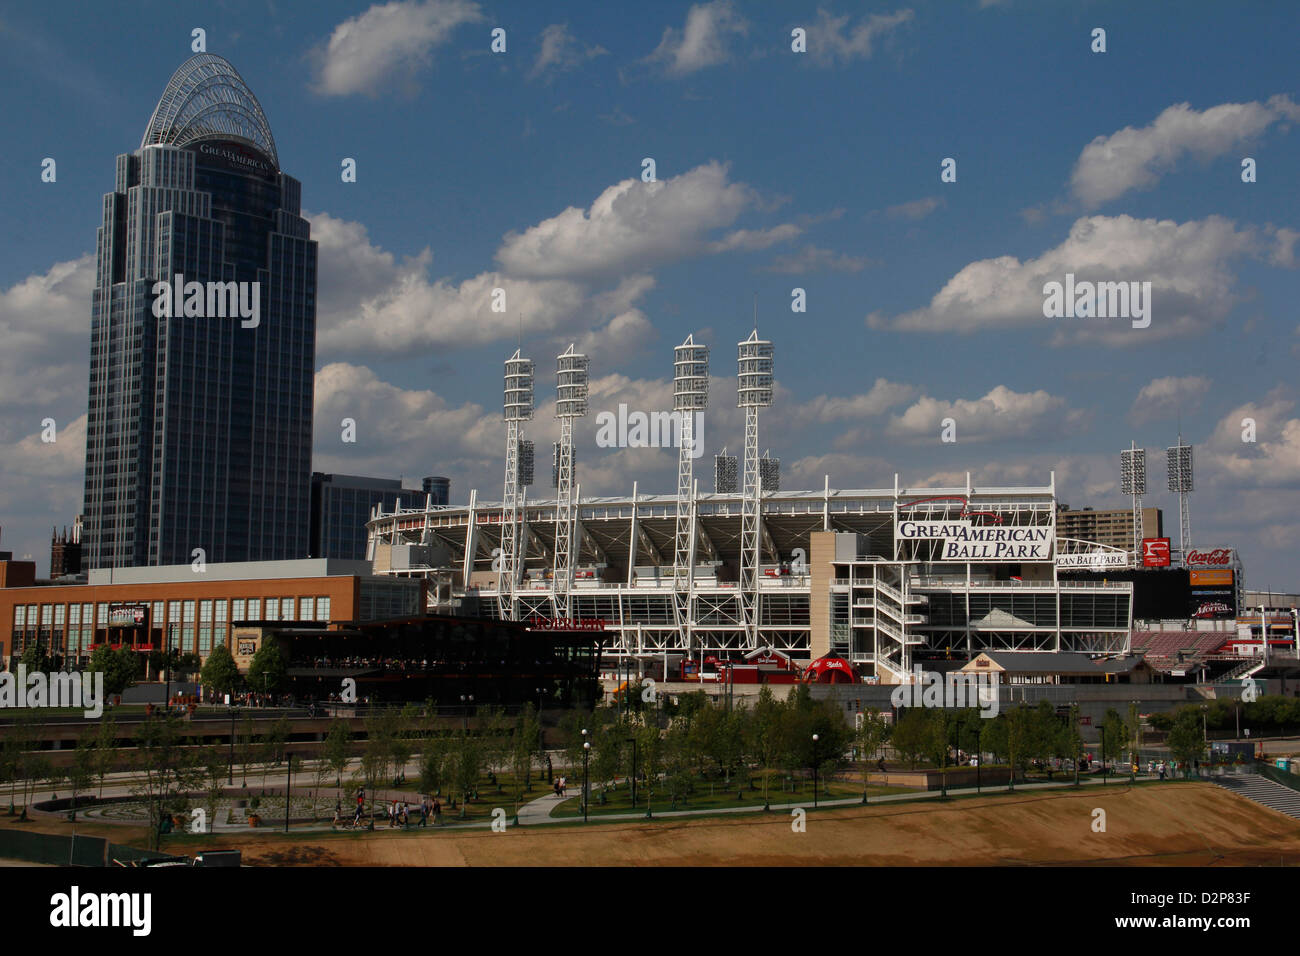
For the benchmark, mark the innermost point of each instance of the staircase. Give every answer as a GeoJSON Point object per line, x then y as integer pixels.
{"type": "Point", "coordinates": [1263, 791]}
{"type": "Point", "coordinates": [1242, 670]}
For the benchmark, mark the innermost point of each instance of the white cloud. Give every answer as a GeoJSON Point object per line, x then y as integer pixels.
{"type": "Point", "coordinates": [1284, 251]}
{"type": "Point", "coordinates": [1271, 461]}
{"type": "Point", "coordinates": [560, 50]}
{"type": "Point", "coordinates": [45, 327]}
{"type": "Point", "coordinates": [1165, 397]}
{"type": "Point", "coordinates": [1129, 159]}
{"type": "Point", "coordinates": [882, 396]}
{"type": "Point", "coordinates": [816, 259]}
{"type": "Point", "coordinates": [751, 240]}
{"type": "Point", "coordinates": [703, 41]}
{"type": "Point", "coordinates": [916, 209]}
{"type": "Point", "coordinates": [1187, 265]}
{"type": "Point", "coordinates": [829, 41]}
{"type": "Point", "coordinates": [388, 41]}
{"type": "Point", "coordinates": [632, 225]}
{"type": "Point", "coordinates": [1001, 414]}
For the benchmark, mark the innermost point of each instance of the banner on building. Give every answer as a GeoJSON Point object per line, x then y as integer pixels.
{"type": "Point", "coordinates": [1092, 561]}
{"type": "Point", "coordinates": [963, 540]}
{"type": "Point", "coordinates": [127, 615]}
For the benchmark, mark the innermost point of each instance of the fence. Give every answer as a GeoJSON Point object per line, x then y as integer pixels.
{"type": "Point", "coordinates": [59, 850]}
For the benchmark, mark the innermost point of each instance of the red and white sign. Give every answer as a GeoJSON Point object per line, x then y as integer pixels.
{"type": "Point", "coordinates": [1155, 552]}
{"type": "Point", "coordinates": [1218, 558]}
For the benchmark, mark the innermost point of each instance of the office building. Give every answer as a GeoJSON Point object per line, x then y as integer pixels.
{"type": "Point", "coordinates": [203, 340]}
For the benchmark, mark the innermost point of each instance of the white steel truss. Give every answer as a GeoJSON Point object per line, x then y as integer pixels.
{"type": "Point", "coordinates": [753, 391]}
{"type": "Point", "coordinates": [518, 408]}
{"type": "Point", "coordinates": [690, 395]}
{"type": "Point", "coordinates": [571, 403]}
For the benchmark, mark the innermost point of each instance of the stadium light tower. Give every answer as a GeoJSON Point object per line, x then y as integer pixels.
{"type": "Point", "coordinates": [571, 402]}
{"type": "Point", "coordinates": [518, 409]}
{"type": "Point", "coordinates": [753, 391]}
{"type": "Point", "coordinates": [1133, 481]}
{"type": "Point", "coordinates": [690, 395]}
{"type": "Point", "coordinates": [1178, 464]}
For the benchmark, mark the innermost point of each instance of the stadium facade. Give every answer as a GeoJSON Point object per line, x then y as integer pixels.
{"type": "Point", "coordinates": [882, 577]}
{"type": "Point", "coordinates": [199, 421]}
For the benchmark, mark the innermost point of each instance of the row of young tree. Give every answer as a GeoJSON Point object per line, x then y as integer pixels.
{"type": "Point", "coordinates": [124, 667]}
{"type": "Point", "coordinates": [1267, 713]}
{"type": "Point", "coordinates": [121, 668]}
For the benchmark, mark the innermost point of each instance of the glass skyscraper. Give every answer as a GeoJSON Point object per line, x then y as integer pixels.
{"type": "Point", "coordinates": [200, 422]}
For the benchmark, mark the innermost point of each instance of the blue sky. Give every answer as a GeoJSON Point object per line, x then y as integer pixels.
{"type": "Point", "coordinates": [775, 170]}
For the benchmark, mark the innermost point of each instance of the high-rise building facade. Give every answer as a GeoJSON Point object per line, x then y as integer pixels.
{"type": "Point", "coordinates": [203, 340]}
{"type": "Point", "coordinates": [341, 506]}
{"type": "Point", "coordinates": [1113, 528]}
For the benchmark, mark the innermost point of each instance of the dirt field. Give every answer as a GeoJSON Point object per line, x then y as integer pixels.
{"type": "Point", "coordinates": [1183, 825]}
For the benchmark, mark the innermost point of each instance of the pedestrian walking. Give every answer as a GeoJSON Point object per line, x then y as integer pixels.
{"type": "Point", "coordinates": [437, 812]}
{"type": "Point", "coordinates": [424, 812]}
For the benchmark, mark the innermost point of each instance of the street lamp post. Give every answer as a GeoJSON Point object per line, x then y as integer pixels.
{"type": "Point", "coordinates": [815, 739]}
{"type": "Point", "coordinates": [586, 749]}
{"type": "Point", "coordinates": [230, 776]}
{"type": "Point", "coordinates": [288, 784]}
{"type": "Point", "coordinates": [1103, 755]}
{"type": "Point", "coordinates": [632, 741]}
{"type": "Point", "coordinates": [943, 770]}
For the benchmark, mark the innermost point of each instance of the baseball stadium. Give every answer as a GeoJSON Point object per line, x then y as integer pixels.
{"type": "Point", "coordinates": [878, 577]}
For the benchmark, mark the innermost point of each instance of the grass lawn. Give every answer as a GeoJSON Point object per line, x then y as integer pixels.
{"type": "Point", "coordinates": [619, 800]}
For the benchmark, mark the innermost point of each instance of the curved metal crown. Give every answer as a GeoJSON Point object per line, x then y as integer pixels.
{"type": "Point", "coordinates": [207, 99]}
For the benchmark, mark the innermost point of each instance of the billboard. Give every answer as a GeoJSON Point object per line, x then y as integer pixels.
{"type": "Point", "coordinates": [1155, 552]}
{"type": "Point", "coordinates": [1214, 558]}
{"type": "Point", "coordinates": [1093, 560]}
{"type": "Point", "coordinates": [1213, 579]}
{"type": "Point", "coordinates": [1212, 603]}
{"type": "Point", "coordinates": [963, 540]}
{"type": "Point", "coordinates": [128, 615]}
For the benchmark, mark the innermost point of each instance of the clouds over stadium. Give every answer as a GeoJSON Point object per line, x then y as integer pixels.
{"type": "Point", "coordinates": [1189, 266]}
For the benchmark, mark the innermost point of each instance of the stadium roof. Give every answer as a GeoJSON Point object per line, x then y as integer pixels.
{"type": "Point", "coordinates": [207, 99]}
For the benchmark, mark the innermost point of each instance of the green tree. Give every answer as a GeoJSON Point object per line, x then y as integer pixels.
{"type": "Point", "coordinates": [465, 765]}
{"type": "Point", "coordinates": [338, 748]}
{"type": "Point", "coordinates": [766, 735]}
{"type": "Point", "coordinates": [105, 749]}
{"type": "Point", "coordinates": [868, 739]}
{"type": "Point", "coordinates": [1185, 740]}
{"type": "Point", "coordinates": [80, 774]}
{"type": "Point", "coordinates": [220, 673]}
{"type": "Point", "coordinates": [911, 733]}
{"type": "Point", "coordinates": [121, 668]}
{"type": "Point", "coordinates": [267, 669]}
{"type": "Point", "coordinates": [523, 744]}
{"type": "Point", "coordinates": [1116, 736]}
{"type": "Point", "coordinates": [165, 769]}
{"type": "Point", "coordinates": [34, 659]}
{"type": "Point", "coordinates": [433, 766]}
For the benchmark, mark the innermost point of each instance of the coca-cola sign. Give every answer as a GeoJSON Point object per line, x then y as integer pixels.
{"type": "Point", "coordinates": [1217, 558]}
